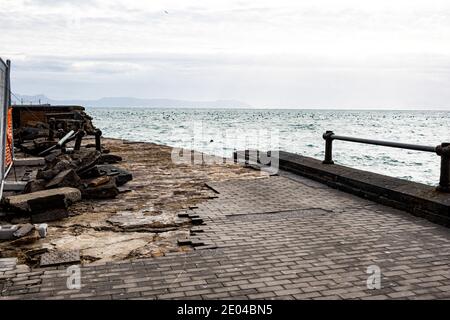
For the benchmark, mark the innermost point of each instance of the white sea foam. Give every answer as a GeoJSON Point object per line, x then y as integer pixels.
{"type": "Point", "coordinates": [299, 131]}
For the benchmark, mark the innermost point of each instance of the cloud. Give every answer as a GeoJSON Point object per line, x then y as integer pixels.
{"type": "Point", "coordinates": [58, 3]}
{"type": "Point", "coordinates": [263, 52]}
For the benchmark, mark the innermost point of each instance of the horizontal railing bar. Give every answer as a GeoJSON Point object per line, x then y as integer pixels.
{"type": "Point", "coordinates": [442, 150]}
{"type": "Point", "coordinates": [391, 144]}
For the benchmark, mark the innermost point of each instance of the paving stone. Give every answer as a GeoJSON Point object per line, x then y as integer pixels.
{"type": "Point", "coordinates": [59, 257]}
{"type": "Point", "coordinates": [276, 238]}
{"type": "Point", "coordinates": [8, 263]}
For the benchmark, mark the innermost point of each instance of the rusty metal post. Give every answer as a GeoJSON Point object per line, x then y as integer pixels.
{"type": "Point", "coordinates": [51, 129]}
{"type": "Point", "coordinates": [98, 145]}
{"type": "Point", "coordinates": [444, 181]}
{"type": "Point", "coordinates": [328, 136]}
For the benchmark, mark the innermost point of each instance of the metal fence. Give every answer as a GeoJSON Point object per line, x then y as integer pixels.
{"type": "Point", "coordinates": [442, 150]}
{"type": "Point", "coordinates": [5, 98]}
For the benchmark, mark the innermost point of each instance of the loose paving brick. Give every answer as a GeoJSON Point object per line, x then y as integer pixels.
{"type": "Point", "coordinates": [278, 237]}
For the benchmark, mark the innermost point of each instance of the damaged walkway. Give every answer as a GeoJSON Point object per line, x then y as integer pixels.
{"type": "Point", "coordinates": [273, 237]}
{"type": "Point", "coordinates": [142, 220]}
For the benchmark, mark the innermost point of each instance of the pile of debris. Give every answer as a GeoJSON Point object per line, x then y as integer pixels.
{"type": "Point", "coordinates": [36, 127]}
{"type": "Point", "coordinates": [71, 172]}
{"type": "Point", "coordinates": [35, 121]}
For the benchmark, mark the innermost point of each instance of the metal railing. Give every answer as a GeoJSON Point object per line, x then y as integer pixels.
{"type": "Point", "coordinates": [5, 99]}
{"type": "Point", "coordinates": [442, 150]}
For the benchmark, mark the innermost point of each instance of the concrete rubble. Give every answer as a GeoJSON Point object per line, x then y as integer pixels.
{"type": "Point", "coordinates": [110, 201]}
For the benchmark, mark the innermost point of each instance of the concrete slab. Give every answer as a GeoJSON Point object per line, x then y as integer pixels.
{"type": "Point", "coordinates": [31, 161]}
{"type": "Point", "coordinates": [59, 257]}
{"type": "Point", "coordinates": [20, 202]}
{"type": "Point", "coordinates": [14, 185]}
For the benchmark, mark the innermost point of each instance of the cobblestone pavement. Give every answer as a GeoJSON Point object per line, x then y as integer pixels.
{"type": "Point", "coordinates": [281, 237]}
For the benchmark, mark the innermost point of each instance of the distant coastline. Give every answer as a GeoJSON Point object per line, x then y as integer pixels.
{"type": "Point", "coordinates": [131, 102]}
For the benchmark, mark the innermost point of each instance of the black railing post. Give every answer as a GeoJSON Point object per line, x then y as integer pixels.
{"type": "Point", "coordinates": [444, 181]}
{"type": "Point", "coordinates": [51, 129]}
{"type": "Point", "coordinates": [80, 135]}
{"type": "Point", "coordinates": [328, 136]}
{"type": "Point", "coordinates": [98, 145]}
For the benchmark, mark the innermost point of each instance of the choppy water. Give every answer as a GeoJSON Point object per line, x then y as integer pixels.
{"type": "Point", "coordinates": [299, 131]}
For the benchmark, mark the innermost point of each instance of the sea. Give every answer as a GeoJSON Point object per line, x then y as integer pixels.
{"type": "Point", "coordinates": [221, 131]}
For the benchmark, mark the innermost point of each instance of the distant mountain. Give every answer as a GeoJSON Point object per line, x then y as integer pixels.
{"type": "Point", "coordinates": [131, 102]}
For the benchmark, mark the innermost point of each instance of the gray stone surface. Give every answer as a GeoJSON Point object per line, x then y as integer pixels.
{"type": "Point", "coordinates": [60, 257]}
{"type": "Point", "coordinates": [272, 238]}
{"type": "Point", "coordinates": [66, 178]}
{"type": "Point", "coordinates": [7, 232]}
{"type": "Point", "coordinates": [419, 199]}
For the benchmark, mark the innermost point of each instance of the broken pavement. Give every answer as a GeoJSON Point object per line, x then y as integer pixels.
{"type": "Point", "coordinates": [142, 220]}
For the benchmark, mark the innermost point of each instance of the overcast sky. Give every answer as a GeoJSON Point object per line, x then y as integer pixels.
{"type": "Point", "coordinates": [268, 53]}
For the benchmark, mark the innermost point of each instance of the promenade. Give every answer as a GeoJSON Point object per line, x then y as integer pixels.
{"type": "Point", "coordinates": [277, 237]}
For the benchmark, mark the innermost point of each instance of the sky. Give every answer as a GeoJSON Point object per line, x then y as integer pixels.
{"type": "Point", "coordinates": [280, 54]}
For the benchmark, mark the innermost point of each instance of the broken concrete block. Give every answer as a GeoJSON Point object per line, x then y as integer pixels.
{"type": "Point", "coordinates": [66, 178]}
{"type": "Point", "coordinates": [33, 236]}
{"type": "Point", "coordinates": [45, 174]}
{"type": "Point", "coordinates": [90, 173]}
{"type": "Point", "coordinates": [52, 157]}
{"type": "Point", "coordinates": [41, 144]}
{"type": "Point", "coordinates": [49, 215]}
{"type": "Point", "coordinates": [28, 147]}
{"type": "Point", "coordinates": [23, 230]}
{"type": "Point", "coordinates": [21, 202]}
{"type": "Point", "coordinates": [30, 161]}
{"type": "Point", "coordinates": [49, 209]}
{"type": "Point", "coordinates": [85, 159]}
{"type": "Point", "coordinates": [51, 173]}
{"type": "Point", "coordinates": [54, 201]}
{"type": "Point", "coordinates": [109, 158]}
{"type": "Point", "coordinates": [99, 181]}
{"type": "Point", "coordinates": [105, 191]}
{"type": "Point", "coordinates": [35, 185]}
{"type": "Point", "coordinates": [124, 189]}
{"type": "Point", "coordinates": [54, 258]}
{"type": "Point", "coordinates": [63, 165]}
{"type": "Point", "coordinates": [122, 176]}
{"type": "Point", "coordinates": [14, 185]}
{"type": "Point", "coordinates": [7, 232]}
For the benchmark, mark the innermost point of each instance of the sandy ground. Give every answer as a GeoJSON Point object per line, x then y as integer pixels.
{"type": "Point", "coordinates": [143, 221]}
